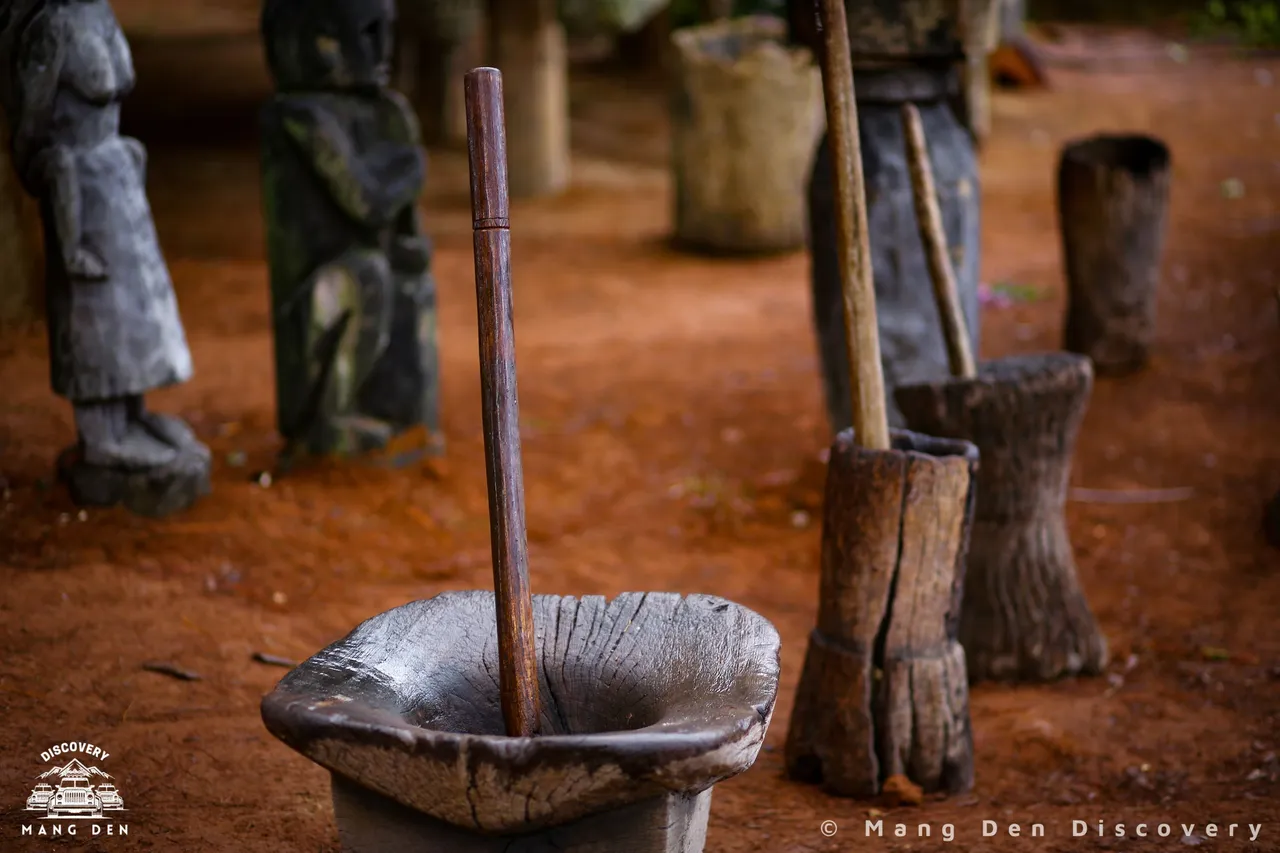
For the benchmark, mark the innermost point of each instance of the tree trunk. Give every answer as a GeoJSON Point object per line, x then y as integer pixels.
{"type": "Point", "coordinates": [1024, 615]}
{"type": "Point", "coordinates": [747, 115]}
{"type": "Point", "coordinates": [528, 46]}
{"type": "Point", "coordinates": [911, 348]}
{"type": "Point", "coordinates": [1113, 199]}
{"type": "Point", "coordinates": [21, 274]}
{"type": "Point", "coordinates": [884, 689]}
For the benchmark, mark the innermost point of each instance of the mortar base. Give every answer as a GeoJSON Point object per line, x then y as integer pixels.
{"type": "Point", "coordinates": [371, 823]}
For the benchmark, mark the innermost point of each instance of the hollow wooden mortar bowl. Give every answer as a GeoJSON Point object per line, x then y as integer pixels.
{"type": "Point", "coordinates": [648, 701]}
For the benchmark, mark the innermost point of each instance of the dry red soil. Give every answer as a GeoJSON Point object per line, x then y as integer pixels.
{"type": "Point", "coordinates": [673, 428]}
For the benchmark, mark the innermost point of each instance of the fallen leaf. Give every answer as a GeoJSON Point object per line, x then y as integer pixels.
{"type": "Point", "coordinates": [898, 790]}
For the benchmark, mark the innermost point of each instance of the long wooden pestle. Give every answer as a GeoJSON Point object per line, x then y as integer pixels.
{"type": "Point", "coordinates": [517, 649]}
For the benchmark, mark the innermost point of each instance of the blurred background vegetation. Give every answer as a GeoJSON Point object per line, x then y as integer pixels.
{"type": "Point", "coordinates": [1254, 22]}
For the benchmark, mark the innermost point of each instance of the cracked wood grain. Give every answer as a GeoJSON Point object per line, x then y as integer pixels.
{"type": "Point", "coordinates": [884, 688]}
{"type": "Point", "coordinates": [656, 696]}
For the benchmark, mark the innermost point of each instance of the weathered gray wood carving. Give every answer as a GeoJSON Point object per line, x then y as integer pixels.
{"type": "Point", "coordinates": [647, 701]}
{"type": "Point", "coordinates": [114, 328]}
{"type": "Point", "coordinates": [353, 298]}
{"type": "Point", "coordinates": [903, 52]}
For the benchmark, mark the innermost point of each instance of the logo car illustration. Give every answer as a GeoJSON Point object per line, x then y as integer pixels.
{"type": "Point", "coordinates": [110, 797]}
{"type": "Point", "coordinates": [75, 797]}
{"type": "Point", "coordinates": [40, 796]}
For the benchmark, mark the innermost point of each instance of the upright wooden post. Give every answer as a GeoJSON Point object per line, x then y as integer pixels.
{"type": "Point", "coordinates": [20, 273]}
{"type": "Point", "coordinates": [981, 27]}
{"type": "Point", "coordinates": [527, 44]}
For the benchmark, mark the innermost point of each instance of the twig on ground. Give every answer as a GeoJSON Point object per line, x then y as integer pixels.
{"type": "Point", "coordinates": [274, 660]}
{"type": "Point", "coordinates": [171, 670]}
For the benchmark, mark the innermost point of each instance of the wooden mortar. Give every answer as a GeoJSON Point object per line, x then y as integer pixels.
{"type": "Point", "coordinates": [1024, 615]}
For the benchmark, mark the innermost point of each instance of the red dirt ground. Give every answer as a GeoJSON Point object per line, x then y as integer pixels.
{"type": "Point", "coordinates": [673, 431]}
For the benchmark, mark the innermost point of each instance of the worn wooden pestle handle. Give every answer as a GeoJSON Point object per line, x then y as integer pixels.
{"type": "Point", "coordinates": [517, 652]}
{"type": "Point", "coordinates": [929, 219]}
{"type": "Point", "coordinates": [853, 240]}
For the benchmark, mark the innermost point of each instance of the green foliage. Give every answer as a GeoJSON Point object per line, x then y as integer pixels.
{"type": "Point", "coordinates": [1255, 22]}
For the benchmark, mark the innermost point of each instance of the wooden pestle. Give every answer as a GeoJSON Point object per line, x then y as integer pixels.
{"type": "Point", "coordinates": [929, 220]}
{"type": "Point", "coordinates": [517, 649]}
{"type": "Point", "coordinates": [853, 239]}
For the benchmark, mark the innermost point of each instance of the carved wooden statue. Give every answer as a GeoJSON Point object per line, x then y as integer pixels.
{"type": "Point", "coordinates": [352, 294]}
{"type": "Point", "coordinates": [114, 328]}
{"type": "Point", "coordinates": [908, 51]}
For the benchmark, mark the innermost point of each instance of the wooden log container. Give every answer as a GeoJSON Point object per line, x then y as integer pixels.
{"type": "Point", "coordinates": [884, 689]}
{"type": "Point", "coordinates": [1113, 199]}
{"type": "Point", "coordinates": [746, 119]}
{"type": "Point", "coordinates": [1025, 616]}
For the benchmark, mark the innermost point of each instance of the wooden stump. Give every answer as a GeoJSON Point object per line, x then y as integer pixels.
{"type": "Point", "coordinates": [528, 47]}
{"type": "Point", "coordinates": [21, 274]}
{"type": "Point", "coordinates": [747, 114]}
{"type": "Point", "coordinates": [647, 701]}
{"type": "Point", "coordinates": [1113, 199]}
{"type": "Point", "coordinates": [884, 689]}
{"type": "Point", "coordinates": [1024, 615]}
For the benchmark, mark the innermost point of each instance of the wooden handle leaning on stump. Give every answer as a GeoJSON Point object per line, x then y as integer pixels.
{"type": "Point", "coordinates": [929, 219]}
{"type": "Point", "coordinates": [853, 239]}
{"type": "Point", "coordinates": [517, 652]}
